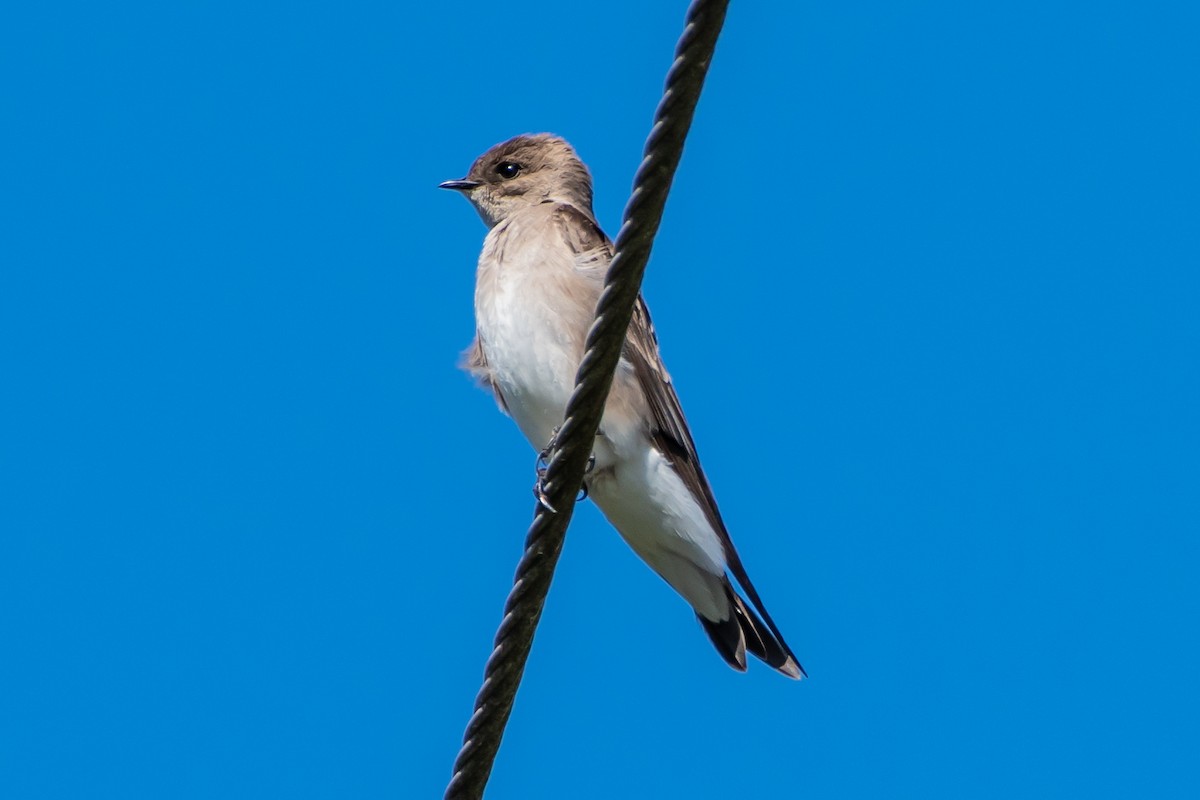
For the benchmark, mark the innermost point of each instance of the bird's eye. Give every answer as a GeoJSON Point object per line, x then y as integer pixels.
{"type": "Point", "coordinates": [508, 169]}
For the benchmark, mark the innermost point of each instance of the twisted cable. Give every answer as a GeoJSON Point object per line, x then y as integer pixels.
{"type": "Point", "coordinates": [573, 444]}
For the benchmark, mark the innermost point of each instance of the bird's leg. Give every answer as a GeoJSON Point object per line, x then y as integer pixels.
{"type": "Point", "coordinates": [539, 467]}
{"type": "Point", "coordinates": [543, 463]}
{"type": "Point", "coordinates": [583, 489]}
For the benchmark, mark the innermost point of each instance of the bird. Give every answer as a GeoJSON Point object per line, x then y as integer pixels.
{"type": "Point", "coordinates": [539, 276]}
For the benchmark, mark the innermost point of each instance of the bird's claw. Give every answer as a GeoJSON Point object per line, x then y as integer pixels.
{"type": "Point", "coordinates": [540, 493]}
{"type": "Point", "coordinates": [543, 463]}
{"type": "Point", "coordinates": [539, 467]}
{"type": "Point", "coordinates": [539, 486]}
{"type": "Point", "coordinates": [583, 489]}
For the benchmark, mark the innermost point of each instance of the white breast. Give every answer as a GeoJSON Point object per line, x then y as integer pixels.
{"type": "Point", "coordinates": [532, 309]}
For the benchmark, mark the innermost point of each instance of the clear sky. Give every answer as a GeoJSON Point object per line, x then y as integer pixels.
{"type": "Point", "coordinates": [928, 284]}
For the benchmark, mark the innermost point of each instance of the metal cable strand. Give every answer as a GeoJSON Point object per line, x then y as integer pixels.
{"type": "Point", "coordinates": [573, 444]}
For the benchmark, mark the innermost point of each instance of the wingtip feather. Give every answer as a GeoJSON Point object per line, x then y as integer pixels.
{"type": "Point", "coordinates": [792, 669]}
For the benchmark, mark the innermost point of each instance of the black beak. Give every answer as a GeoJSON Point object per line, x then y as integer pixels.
{"type": "Point", "coordinates": [459, 186]}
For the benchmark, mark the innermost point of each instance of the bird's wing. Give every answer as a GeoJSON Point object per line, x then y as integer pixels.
{"type": "Point", "coordinates": [671, 435]}
{"type": "Point", "coordinates": [669, 431]}
{"type": "Point", "coordinates": [581, 233]}
{"type": "Point", "coordinates": [668, 428]}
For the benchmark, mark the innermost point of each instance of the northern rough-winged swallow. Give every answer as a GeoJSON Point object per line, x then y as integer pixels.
{"type": "Point", "coordinates": [539, 277]}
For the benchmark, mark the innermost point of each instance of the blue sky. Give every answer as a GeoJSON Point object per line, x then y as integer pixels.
{"type": "Point", "coordinates": [928, 287]}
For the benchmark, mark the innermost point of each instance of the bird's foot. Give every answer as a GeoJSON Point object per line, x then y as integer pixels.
{"type": "Point", "coordinates": [539, 467]}
{"type": "Point", "coordinates": [583, 489]}
{"type": "Point", "coordinates": [543, 463]}
{"type": "Point", "coordinates": [539, 491]}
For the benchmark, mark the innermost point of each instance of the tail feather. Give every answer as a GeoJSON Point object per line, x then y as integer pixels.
{"type": "Point", "coordinates": [728, 638]}
{"type": "Point", "coordinates": [744, 631]}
